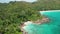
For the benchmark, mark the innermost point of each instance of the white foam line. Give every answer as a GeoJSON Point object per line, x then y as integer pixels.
{"type": "Point", "coordinates": [49, 11]}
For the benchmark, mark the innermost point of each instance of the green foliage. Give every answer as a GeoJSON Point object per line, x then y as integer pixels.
{"type": "Point", "coordinates": [14, 13]}
{"type": "Point", "coordinates": [47, 5]}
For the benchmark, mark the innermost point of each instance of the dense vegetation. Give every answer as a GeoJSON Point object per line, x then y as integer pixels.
{"type": "Point", "coordinates": [12, 14]}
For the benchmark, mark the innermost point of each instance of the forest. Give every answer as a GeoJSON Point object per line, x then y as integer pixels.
{"type": "Point", "coordinates": [14, 13]}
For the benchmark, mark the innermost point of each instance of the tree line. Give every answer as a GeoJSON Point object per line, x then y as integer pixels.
{"type": "Point", "coordinates": [12, 14]}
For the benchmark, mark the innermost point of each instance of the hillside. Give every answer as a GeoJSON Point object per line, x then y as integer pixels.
{"type": "Point", "coordinates": [12, 14]}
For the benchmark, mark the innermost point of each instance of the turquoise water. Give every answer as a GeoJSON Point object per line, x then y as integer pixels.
{"type": "Point", "coordinates": [52, 27]}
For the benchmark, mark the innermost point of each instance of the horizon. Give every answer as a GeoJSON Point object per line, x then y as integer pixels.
{"type": "Point", "coordinates": [7, 1]}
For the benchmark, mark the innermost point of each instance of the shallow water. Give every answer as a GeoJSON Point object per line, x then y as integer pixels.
{"type": "Point", "coordinates": [52, 27]}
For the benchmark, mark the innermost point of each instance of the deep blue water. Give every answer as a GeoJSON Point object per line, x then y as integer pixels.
{"type": "Point", "coordinates": [52, 27]}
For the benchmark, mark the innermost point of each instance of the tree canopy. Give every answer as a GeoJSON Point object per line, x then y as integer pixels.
{"type": "Point", "coordinates": [12, 14]}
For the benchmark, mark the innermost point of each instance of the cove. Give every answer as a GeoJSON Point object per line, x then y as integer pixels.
{"type": "Point", "coordinates": [51, 27]}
